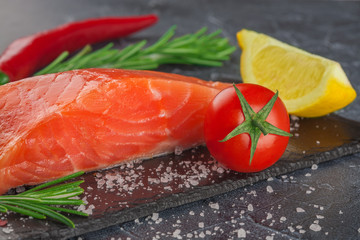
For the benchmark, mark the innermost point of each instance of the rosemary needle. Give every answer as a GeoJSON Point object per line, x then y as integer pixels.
{"type": "Point", "coordinates": [197, 48]}
{"type": "Point", "coordinates": [37, 201]}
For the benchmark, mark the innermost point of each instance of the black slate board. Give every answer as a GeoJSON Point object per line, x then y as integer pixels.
{"type": "Point", "coordinates": [138, 189]}
{"type": "Point", "coordinates": [314, 26]}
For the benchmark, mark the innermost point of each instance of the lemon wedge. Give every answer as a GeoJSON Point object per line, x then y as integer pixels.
{"type": "Point", "coordinates": [308, 84]}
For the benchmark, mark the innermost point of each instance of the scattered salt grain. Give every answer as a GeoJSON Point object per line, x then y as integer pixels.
{"type": "Point", "coordinates": [178, 150]}
{"type": "Point", "coordinates": [298, 209]}
{"type": "Point", "coordinates": [241, 233]}
{"type": "Point", "coordinates": [269, 216]}
{"type": "Point", "coordinates": [319, 217]}
{"type": "Point", "coordinates": [250, 207]}
{"type": "Point", "coordinates": [220, 170]}
{"type": "Point", "coordinates": [20, 189]}
{"type": "Point", "coordinates": [282, 219]}
{"type": "Point", "coordinates": [308, 175]}
{"type": "Point", "coordinates": [7, 230]}
{"type": "Point", "coordinates": [155, 216]}
{"type": "Point", "coordinates": [191, 213]}
{"type": "Point", "coordinates": [201, 225]}
{"type": "Point", "coordinates": [314, 167]}
{"type": "Point", "coordinates": [253, 192]}
{"type": "Point", "coordinates": [88, 210]}
{"type": "Point", "coordinates": [294, 118]}
{"type": "Point", "coordinates": [214, 206]}
{"type": "Point", "coordinates": [193, 182]}
{"type": "Point", "coordinates": [315, 227]}
{"type": "Point", "coordinates": [269, 189]}
{"type": "Point", "coordinates": [176, 234]}
{"type": "Point", "coordinates": [270, 179]}
{"type": "Point", "coordinates": [269, 238]}
{"type": "Point", "coordinates": [317, 142]}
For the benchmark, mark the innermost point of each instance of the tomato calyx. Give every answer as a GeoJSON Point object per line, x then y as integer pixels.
{"type": "Point", "coordinates": [255, 123]}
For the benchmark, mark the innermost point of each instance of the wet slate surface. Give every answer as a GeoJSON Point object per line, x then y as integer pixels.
{"type": "Point", "coordinates": [211, 202]}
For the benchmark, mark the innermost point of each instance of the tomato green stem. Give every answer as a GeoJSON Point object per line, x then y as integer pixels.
{"type": "Point", "coordinates": [255, 123]}
{"type": "Point", "coordinates": [258, 123]}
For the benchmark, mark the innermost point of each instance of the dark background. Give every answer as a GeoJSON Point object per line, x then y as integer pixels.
{"type": "Point", "coordinates": [318, 203]}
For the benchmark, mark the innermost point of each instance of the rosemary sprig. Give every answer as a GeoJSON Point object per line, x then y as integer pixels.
{"type": "Point", "coordinates": [197, 49]}
{"type": "Point", "coordinates": [37, 201]}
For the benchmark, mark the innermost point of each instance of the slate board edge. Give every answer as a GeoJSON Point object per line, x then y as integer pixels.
{"type": "Point", "coordinates": [191, 196]}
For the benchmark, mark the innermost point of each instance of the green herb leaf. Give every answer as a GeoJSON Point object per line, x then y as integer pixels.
{"type": "Point", "coordinates": [192, 49]}
{"type": "Point", "coordinates": [37, 201]}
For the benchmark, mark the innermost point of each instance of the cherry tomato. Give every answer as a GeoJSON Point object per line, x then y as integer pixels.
{"type": "Point", "coordinates": [225, 113]}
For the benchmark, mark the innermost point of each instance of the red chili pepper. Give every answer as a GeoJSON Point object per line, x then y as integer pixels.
{"type": "Point", "coordinates": [26, 55]}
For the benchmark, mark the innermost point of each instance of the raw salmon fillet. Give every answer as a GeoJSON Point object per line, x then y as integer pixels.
{"type": "Point", "coordinates": [58, 124]}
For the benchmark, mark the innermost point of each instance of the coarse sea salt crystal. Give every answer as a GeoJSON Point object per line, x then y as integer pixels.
{"type": "Point", "coordinates": [178, 150]}
{"type": "Point", "coordinates": [214, 205]}
{"type": "Point", "coordinates": [176, 233]}
{"type": "Point", "coordinates": [298, 209]}
{"type": "Point", "coordinates": [193, 182]}
{"type": "Point", "coordinates": [250, 207]}
{"type": "Point", "coordinates": [7, 229]}
{"type": "Point", "coordinates": [220, 170]}
{"type": "Point", "coordinates": [241, 233]}
{"type": "Point", "coordinates": [315, 227]}
{"type": "Point", "coordinates": [314, 167]}
{"type": "Point", "coordinates": [155, 216]}
{"type": "Point", "coordinates": [269, 189]}
{"type": "Point", "coordinates": [294, 118]}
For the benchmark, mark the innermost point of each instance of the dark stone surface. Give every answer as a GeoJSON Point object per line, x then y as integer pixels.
{"type": "Point", "coordinates": [292, 206]}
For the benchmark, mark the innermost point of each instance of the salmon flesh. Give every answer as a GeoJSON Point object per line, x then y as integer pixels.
{"type": "Point", "coordinates": [57, 124]}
